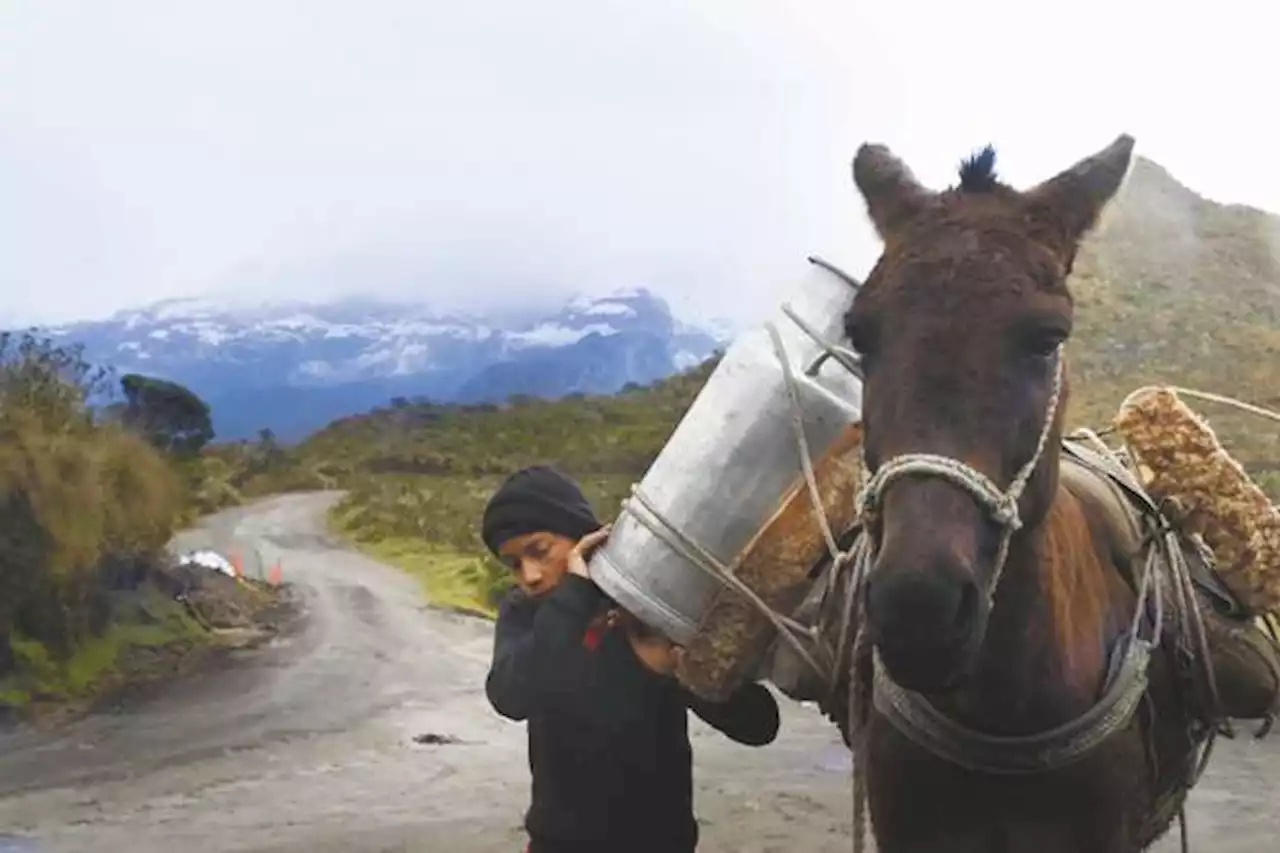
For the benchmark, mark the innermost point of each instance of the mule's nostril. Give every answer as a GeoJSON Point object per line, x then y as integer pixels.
{"type": "Point", "coordinates": [967, 607]}
{"type": "Point", "coordinates": [933, 606]}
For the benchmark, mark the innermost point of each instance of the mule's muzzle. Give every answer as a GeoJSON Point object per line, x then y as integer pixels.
{"type": "Point", "coordinates": [926, 613]}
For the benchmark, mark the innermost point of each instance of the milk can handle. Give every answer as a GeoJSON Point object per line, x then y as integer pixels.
{"type": "Point", "coordinates": [847, 358]}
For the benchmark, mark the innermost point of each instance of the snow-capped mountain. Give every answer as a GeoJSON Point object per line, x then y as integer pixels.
{"type": "Point", "coordinates": [294, 366]}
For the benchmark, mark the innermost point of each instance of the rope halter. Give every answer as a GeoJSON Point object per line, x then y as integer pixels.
{"type": "Point", "coordinates": [1001, 505]}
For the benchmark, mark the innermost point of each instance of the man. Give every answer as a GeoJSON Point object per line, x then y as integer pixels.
{"type": "Point", "coordinates": [608, 724]}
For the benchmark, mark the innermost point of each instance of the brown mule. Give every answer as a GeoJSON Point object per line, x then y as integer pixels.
{"type": "Point", "coordinates": [1038, 683]}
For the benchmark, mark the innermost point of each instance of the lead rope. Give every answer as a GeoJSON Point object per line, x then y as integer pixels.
{"type": "Point", "coordinates": [860, 554]}
{"type": "Point", "coordinates": [860, 684]}
{"type": "Point", "coordinates": [860, 688]}
{"type": "Point", "coordinates": [1004, 509]}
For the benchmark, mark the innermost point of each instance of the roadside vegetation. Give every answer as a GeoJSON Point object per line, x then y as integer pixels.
{"type": "Point", "coordinates": [418, 473]}
{"type": "Point", "coordinates": [89, 497]}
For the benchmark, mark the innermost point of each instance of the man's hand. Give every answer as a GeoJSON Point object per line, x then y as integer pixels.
{"type": "Point", "coordinates": [582, 551]}
{"type": "Point", "coordinates": [656, 652]}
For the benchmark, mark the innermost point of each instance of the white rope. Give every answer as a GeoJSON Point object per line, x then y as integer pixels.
{"type": "Point", "coordinates": [694, 553]}
{"type": "Point", "coordinates": [802, 443]}
{"type": "Point", "coordinates": [857, 554]}
{"type": "Point", "coordinates": [847, 358]}
{"type": "Point", "coordinates": [1207, 396]}
{"type": "Point", "coordinates": [1002, 505]}
{"type": "Point", "coordinates": [662, 527]}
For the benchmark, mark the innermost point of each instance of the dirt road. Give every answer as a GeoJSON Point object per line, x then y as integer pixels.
{"type": "Point", "coordinates": [308, 745]}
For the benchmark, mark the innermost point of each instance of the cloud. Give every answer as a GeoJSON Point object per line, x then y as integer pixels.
{"type": "Point", "coordinates": [488, 152]}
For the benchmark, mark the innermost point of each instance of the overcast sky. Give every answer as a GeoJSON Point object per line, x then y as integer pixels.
{"type": "Point", "coordinates": [471, 151]}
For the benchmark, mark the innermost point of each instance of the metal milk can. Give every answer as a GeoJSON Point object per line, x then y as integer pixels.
{"type": "Point", "coordinates": [733, 458]}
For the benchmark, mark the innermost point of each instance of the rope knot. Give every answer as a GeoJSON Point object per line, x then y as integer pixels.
{"type": "Point", "coordinates": [1005, 512]}
{"type": "Point", "coordinates": [867, 501]}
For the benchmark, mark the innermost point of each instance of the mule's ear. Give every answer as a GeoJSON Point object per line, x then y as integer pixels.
{"type": "Point", "coordinates": [891, 192]}
{"type": "Point", "coordinates": [1072, 201]}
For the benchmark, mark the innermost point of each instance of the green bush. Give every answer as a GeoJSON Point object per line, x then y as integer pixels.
{"type": "Point", "coordinates": [76, 495]}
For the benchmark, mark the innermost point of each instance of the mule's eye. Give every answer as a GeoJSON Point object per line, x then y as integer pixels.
{"type": "Point", "coordinates": [866, 357]}
{"type": "Point", "coordinates": [862, 340]}
{"type": "Point", "coordinates": [1042, 343]}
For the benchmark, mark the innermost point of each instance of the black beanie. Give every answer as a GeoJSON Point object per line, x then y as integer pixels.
{"type": "Point", "coordinates": [538, 499]}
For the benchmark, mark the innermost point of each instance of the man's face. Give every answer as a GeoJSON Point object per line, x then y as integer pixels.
{"type": "Point", "coordinates": [539, 560]}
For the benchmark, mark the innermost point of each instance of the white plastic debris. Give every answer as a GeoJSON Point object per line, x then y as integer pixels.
{"type": "Point", "coordinates": [208, 560]}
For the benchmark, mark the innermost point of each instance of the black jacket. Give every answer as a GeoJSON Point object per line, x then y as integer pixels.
{"type": "Point", "coordinates": [608, 738]}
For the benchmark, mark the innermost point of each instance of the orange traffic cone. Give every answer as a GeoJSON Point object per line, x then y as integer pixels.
{"type": "Point", "coordinates": [237, 565]}
{"type": "Point", "coordinates": [276, 576]}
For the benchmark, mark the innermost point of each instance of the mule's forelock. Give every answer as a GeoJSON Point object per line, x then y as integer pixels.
{"type": "Point", "coordinates": [978, 172]}
{"type": "Point", "coordinates": [1070, 203]}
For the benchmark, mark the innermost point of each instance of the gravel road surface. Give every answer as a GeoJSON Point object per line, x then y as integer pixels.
{"type": "Point", "coordinates": [308, 745]}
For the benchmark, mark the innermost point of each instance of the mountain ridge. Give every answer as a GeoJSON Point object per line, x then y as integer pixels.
{"type": "Point", "coordinates": [292, 366]}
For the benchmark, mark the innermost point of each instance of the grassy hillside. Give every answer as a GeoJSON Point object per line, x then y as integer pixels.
{"type": "Point", "coordinates": [1180, 290]}
{"type": "Point", "coordinates": [1173, 289]}
{"type": "Point", "coordinates": [419, 473]}
{"type": "Point", "coordinates": [86, 509]}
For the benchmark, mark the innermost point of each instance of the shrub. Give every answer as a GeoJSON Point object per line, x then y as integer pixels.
{"type": "Point", "coordinates": [77, 497]}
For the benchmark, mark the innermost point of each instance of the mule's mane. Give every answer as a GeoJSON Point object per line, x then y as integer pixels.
{"type": "Point", "coordinates": [978, 172]}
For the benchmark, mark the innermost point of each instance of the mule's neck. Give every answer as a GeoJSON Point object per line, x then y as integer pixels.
{"type": "Point", "coordinates": [1057, 612]}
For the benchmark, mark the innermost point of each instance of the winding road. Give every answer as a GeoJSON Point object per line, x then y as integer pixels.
{"type": "Point", "coordinates": [308, 744]}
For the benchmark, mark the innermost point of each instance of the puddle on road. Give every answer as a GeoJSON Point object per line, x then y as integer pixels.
{"type": "Point", "coordinates": [18, 844]}
{"type": "Point", "coordinates": [835, 759]}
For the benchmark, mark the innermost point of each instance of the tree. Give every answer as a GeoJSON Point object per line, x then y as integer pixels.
{"type": "Point", "coordinates": [268, 453]}
{"type": "Point", "coordinates": [171, 417]}
{"type": "Point", "coordinates": [51, 380]}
